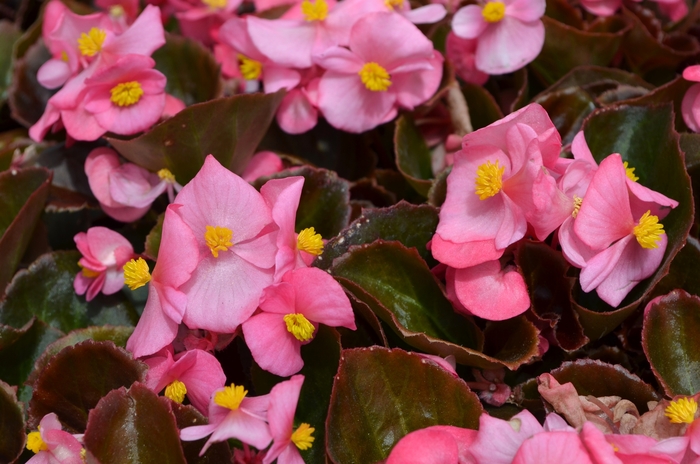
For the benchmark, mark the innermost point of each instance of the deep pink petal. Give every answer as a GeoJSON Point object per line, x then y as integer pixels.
{"type": "Point", "coordinates": [690, 108]}
{"type": "Point", "coordinates": [273, 347]}
{"type": "Point", "coordinates": [553, 448]}
{"type": "Point", "coordinates": [145, 35]}
{"type": "Point", "coordinates": [464, 254]}
{"type": "Point", "coordinates": [263, 163]}
{"type": "Point", "coordinates": [425, 446]}
{"type": "Point", "coordinates": [498, 440]}
{"type": "Point", "coordinates": [283, 404]}
{"type": "Point", "coordinates": [178, 253]}
{"type": "Point", "coordinates": [282, 196]}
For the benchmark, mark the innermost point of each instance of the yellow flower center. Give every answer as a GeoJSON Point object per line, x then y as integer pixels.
{"type": "Point", "coordinates": [166, 175]}
{"type": "Point", "coordinates": [126, 93]}
{"type": "Point", "coordinates": [648, 231]}
{"type": "Point", "coordinates": [83, 454]}
{"type": "Point", "coordinates": [116, 11]}
{"type": "Point", "coordinates": [90, 44]}
{"type": "Point", "coordinates": [316, 11]}
{"type": "Point", "coordinates": [310, 242]}
{"type": "Point", "coordinates": [64, 56]}
{"type": "Point", "coordinates": [393, 4]}
{"type": "Point", "coordinates": [682, 411]}
{"type": "Point", "coordinates": [299, 326]}
{"type": "Point", "coordinates": [577, 205]}
{"type": "Point", "coordinates": [216, 4]}
{"type": "Point", "coordinates": [302, 436]}
{"type": "Point", "coordinates": [375, 77]}
{"type": "Point", "coordinates": [136, 273]}
{"type": "Point", "coordinates": [230, 397]}
{"type": "Point", "coordinates": [89, 273]}
{"type": "Point", "coordinates": [176, 391]}
{"type": "Point", "coordinates": [630, 172]}
{"type": "Point", "coordinates": [489, 180]}
{"type": "Point", "coordinates": [35, 442]}
{"type": "Point", "coordinates": [218, 239]}
{"type": "Point", "coordinates": [493, 12]}
{"type": "Point", "coordinates": [250, 69]}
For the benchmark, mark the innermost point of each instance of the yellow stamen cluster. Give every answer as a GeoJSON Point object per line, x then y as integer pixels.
{"type": "Point", "coordinates": [299, 326]}
{"type": "Point", "coordinates": [489, 180]}
{"type": "Point", "coordinates": [393, 4]}
{"type": "Point", "coordinates": [577, 205]}
{"type": "Point", "coordinates": [136, 273]}
{"type": "Point", "coordinates": [230, 397]}
{"type": "Point", "coordinates": [90, 44]}
{"type": "Point", "coordinates": [126, 93]}
{"type": "Point", "coordinates": [89, 273]}
{"type": "Point", "coordinates": [310, 242]}
{"type": "Point", "coordinates": [250, 69]}
{"type": "Point", "coordinates": [35, 443]}
{"type": "Point", "coordinates": [116, 11]}
{"type": "Point", "coordinates": [218, 239]}
{"type": "Point", "coordinates": [302, 436]}
{"type": "Point", "coordinates": [648, 231]}
{"type": "Point", "coordinates": [682, 411]}
{"type": "Point", "coordinates": [166, 175]}
{"type": "Point", "coordinates": [493, 12]}
{"type": "Point", "coordinates": [176, 391]}
{"type": "Point", "coordinates": [375, 78]}
{"type": "Point", "coordinates": [316, 11]}
{"type": "Point", "coordinates": [215, 4]}
{"type": "Point", "coordinates": [64, 56]}
{"type": "Point", "coordinates": [630, 172]}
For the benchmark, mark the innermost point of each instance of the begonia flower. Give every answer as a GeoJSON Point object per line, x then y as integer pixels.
{"type": "Point", "coordinates": [52, 445]}
{"type": "Point", "coordinates": [104, 254]}
{"type": "Point", "coordinates": [263, 163]}
{"type": "Point", "coordinates": [125, 191]}
{"type": "Point", "coordinates": [461, 53]}
{"type": "Point", "coordinates": [390, 65]}
{"type": "Point", "coordinates": [438, 444]}
{"type": "Point", "coordinates": [290, 313]}
{"type": "Point", "coordinates": [194, 373]}
{"type": "Point", "coordinates": [178, 256]}
{"type": "Point", "coordinates": [490, 189]}
{"type": "Point", "coordinates": [510, 33]}
{"type": "Point", "coordinates": [232, 414]}
{"type": "Point", "coordinates": [425, 14]}
{"type": "Point", "coordinates": [298, 111]}
{"type": "Point", "coordinates": [498, 440]}
{"type": "Point", "coordinates": [553, 448]}
{"type": "Point", "coordinates": [286, 440]}
{"type": "Point", "coordinates": [690, 107]}
{"type": "Point", "coordinates": [631, 242]}
{"type": "Point", "coordinates": [235, 242]}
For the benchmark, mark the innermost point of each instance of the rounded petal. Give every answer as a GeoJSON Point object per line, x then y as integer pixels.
{"type": "Point", "coordinates": [135, 118]}
{"type": "Point", "coordinates": [277, 77]}
{"type": "Point", "coordinates": [425, 446]}
{"type": "Point", "coordinates": [98, 166]}
{"type": "Point", "coordinates": [283, 404]}
{"type": "Point", "coordinates": [508, 434]}
{"type": "Point", "coordinates": [526, 10]}
{"type": "Point", "coordinates": [320, 298]}
{"type": "Point", "coordinates": [202, 378]}
{"type": "Point", "coordinates": [509, 45]}
{"type": "Point", "coordinates": [296, 114]}
{"type": "Point", "coordinates": [272, 346]}
{"type": "Point", "coordinates": [414, 88]}
{"type": "Point", "coordinates": [286, 42]}
{"type": "Point", "coordinates": [468, 22]}
{"type": "Point", "coordinates": [53, 74]}
{"type": "Point", "coordinates": [427, 14]}
{"type": "Point", "coordinates": [154, 330]}
{"type": "Point", "coordinates": [690, 108]}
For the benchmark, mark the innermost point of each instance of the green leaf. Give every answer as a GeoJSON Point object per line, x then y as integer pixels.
{"type": "Point", "coordinates": [483, 109]}
{"type": "Point", "coordinates": [645, 137]}
{"type": "Point", "coordinates": [673, 91]}
{"type": "Point", "coordinates": [671, 343]}
{"type": "Point", "coordinates": [192, 71]}
{"type": "Point", "coordinates": [228, 128]}
{"type": "Point", "coordinates": [398, 286]}
{"type": "Point", "coordinates": [26, 97]}
{"type": "Point", "coordinates": [75, 380]}
{"type": "Point", "coordinates": [153, 238]}
{"type": "Point", "coordinates": [567, 47]}
{"type": "Point", "coordinates": [133, 425]}
{"type": "Point", "coordinates": [22, 196]}
{"type": "Point", "coordinates": [45, 290]}
{"type": "Point", "coordinates": [187, 416]}
{"type": "Point", "coordinates": [9, 33]}
{"type": "Point", "coordinates": [325, 200]}
{"type": "Point", "coordinates": [381, 395]}
{"type": "Point", "coordinates": [596, 378]}
{"type": "Point", "coordinates": [12, 436]}
{"type": "Point", "coordinates": [684, 271]}
{"type": "Point", "coordinates": [413, 157]}
{"type": "Point", "coordinates": [412, 225]}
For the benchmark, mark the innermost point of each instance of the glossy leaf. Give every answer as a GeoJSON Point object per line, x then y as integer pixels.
{"type": "Point", "coordinates": [133, 425]}
{"type": "Point", "coordinates": [12, 436]}
{"type": "Point", "coordinates": [22, 197]}
{"type": "Point", "coordinates": [398, 286]}
{"type": "Point", "coordinates": [671, 343]}
{"type": "Point", "coordinates": [673, 91]}
{"type": "Point", "coordinates": [191, 70]}
{"type": "Point", "coordinates": [684, 271]}
{"type": "Point", "coordinates": [596, 378]}
{"type": "Point", "coordinates": [483, 109]}
{"type": "Point", "coordinates": [228, 128]}
{"type": "Point", "coordinates": [412, 225]}
{"type": "Point", "coordinates": [74, 381]}
{"type": "Point", "coordinates": [645, 137]}
{"type": "Point", "coordinates": [45, 290]}
{"type": "Point", "coordinates": [187, 416]}
{"type": "Point", "coordinates": [380, 395]}
{"type": "Point", "coordinates": [26, 97]}
{"type": "Point", "coordinates": [413, 157]}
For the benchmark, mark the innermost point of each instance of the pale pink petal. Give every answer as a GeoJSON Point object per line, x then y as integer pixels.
{"type": "Point", "coordinates": [132, 185]}
{"type": "Point", "coordinates": [509, 45]}
{"type": "Point", "coordinates": [263, 163]}
{"type": "Point", "coordinates": [98, 166]}
{"type": "Point", "coordinates": [277, 77]}
{"type": "Point", "coordinates": [135, 118]}
{"type": "Point", "coordinates": [81, 124]}
{"type": "Point", "coordinates": [280, 415]}
{"type": "Point", "coordinates": [202, 378]}
{"type": "Point", "coordinates": [491, 293]}
{"type": "Point", "coordinates": [600, 267]}
{"type": "Point", "coordinates": [427, 14]}
{"type": "Point", "coordinates": [259, 251]}
{"type": "Point", "coordinates": [154, 330]}
{"type": "Point", "coordinates": [552, 206]}
{"type": "Point", "coordinates": [282, 196]}
{"type": "Point", "coordinates": [286, 42]}
{"type": "Point", "coordinates": [464, 254]}
{"type": "Point", "coordinates": [244, 427]}
{"type": "Point", "coordinates": [178, 253]}
{"type": "Point", "coordinates": [320, 298]}
{"type": "Point", "coordinates": [690, 108]}
{"type": "Point", "coordinates": [273, 347]}
{"type": "Point", "coordinates": [574, 250]}
{"type": "Point", "coordinates": [114, 281]}
{"type": "Point", "coordinates": [53, 74]}
{"type": "Point", "coordinates": [468, 22]}
{"type": "Point", "coordinates": [124, 213]}
{"type": "Point", "coordinates": [498, 440]}
{"type": "Point", "coordinates": [50, 116]}
{"type": "Point", "coordinates": [104, 242]}
{"type": "Point", "coordinates": [553, 448]}
{"type": "Point", "coordinates": [601, 7]}
{"type": "Point", "coordinates": [643, 199]}
{"type": "Point", "coordinates": [234, 33]}
{"type": "Point", "coordinates": [145, 35]}
{"type": "Point", "coordinates": [339, 59]}
{"type": "Point", "coordinates": [526, 10]}
{"type": "Point", "coordinates": [415, 87]}
{"type": "Point", "coordinates": [296, 114]}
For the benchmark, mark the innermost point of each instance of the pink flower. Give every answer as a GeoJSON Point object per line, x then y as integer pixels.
{"type": "Point", "coordinates": [52, 445]}
{"type": "Point", "coordinates": [195, 373]}
{"type": "Point", "coordinates": [461, 53]}
{"type": "Point", "coordinates": [235, 242]}
{"type": "Point", "coordinates": [263, 163]}
{"type": "Point", "coordinates": [287, 441]}
{"type": "Point", "coordinates": [624, 228]}
{"type": "Point", "coordinates": [490, 189]}
{"type": "Point", "coordinates": [690, 108]}
{"type": "Point", "coordinates": [298, 112]}
{"type": "Point", "coordinates": [426, 14]}
{"type": "Point", "coordinates": [233, 415]}
{"type": "Point", "coordinates": [125, 191]}
{"type": "Point", "coordinates": [390, 64]}
{"type": "Point", "coordinates": [439, 444]}
{"type": "Point", "coordinates": [601, 7]}
{"type": "Point", "coordinates": [177, 258]}
{"type": "Point", "coordinates": [290, 313]}
{"type": "Point", "coordinates": [553, 448]}
{"type": "Point", "coordinates": [510, 33]}
{"type": "Point", "coordinates": [498, 440]}
{"type": "Point", "coordinates": [104, 254]}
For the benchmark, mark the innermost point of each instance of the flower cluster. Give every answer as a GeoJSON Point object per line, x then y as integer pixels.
{"type": "Point", "coordinates": [508, 179]}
